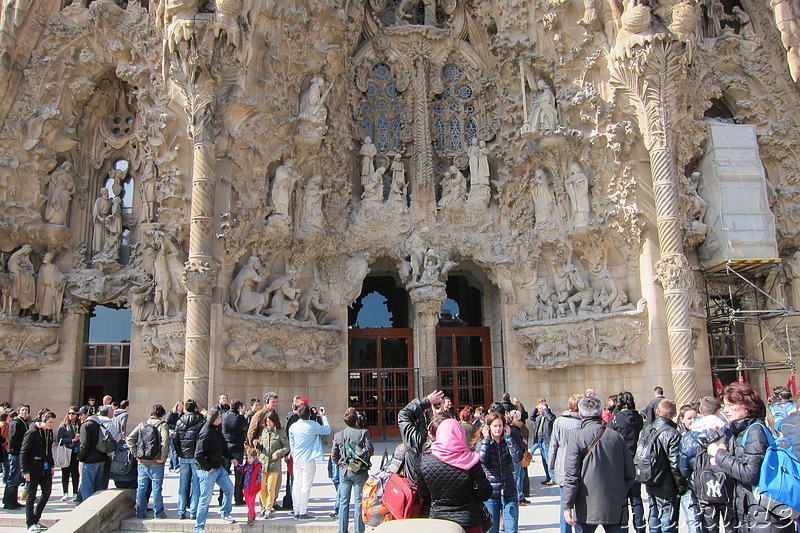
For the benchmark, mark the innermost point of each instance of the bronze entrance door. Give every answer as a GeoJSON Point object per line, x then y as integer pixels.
{"type": "Point", "coordinates": [464, 365]}
{"type": "Point", "coordinates": [381, 375]}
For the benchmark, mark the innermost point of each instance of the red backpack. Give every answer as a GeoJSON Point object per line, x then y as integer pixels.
{"type": "Point", "coordinates": [401, 497]}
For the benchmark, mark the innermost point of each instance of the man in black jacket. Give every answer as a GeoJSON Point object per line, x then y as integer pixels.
{"type": "Point", "coordinates": [186, 431]}
{"type": "Point", "coordinates": [414, 430]}
{"type": "Point", "coordinates": [36, 463]}
{"type": "Point", "coordinates": [598, 469]}
{"type": "Point", "coordinates": [16, 432]}
{"type": "Point", "coordinates": [666, 483]}
{"type": "Point", "coordinates": [234, 429]}
{"type": "Point", "coordinates": [211, 449]}
{"type": "Point", "coordinates": [93, 460]}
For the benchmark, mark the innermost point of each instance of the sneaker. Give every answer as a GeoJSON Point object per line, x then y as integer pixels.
{"type": "Point", "coordinates": [305, 517]}
{"type": "Point", "coordinates": [251, 520]}
{"type": "Point", "coordinates": [13, 506]}
{"type": "Point", "coordinates": [32, 528]}
{"type": "Point", "coordinates": [41, 526]}
{"type": "Point", "coordinates": [266, 514]}
{"type": "Point", "coordinates": [277, 507]}
{"type": "Point", "coordinates": [66, 498]}
{"type": "Point", "coordinates": [333, 514]}
{"type": "Point", "coordinates": [162, 517]}
{"type": "Point", "coordinates": [181, 516]}
{"type": "Point", "coordinates": [228, 519]}
{"type": "Point", "coordinates": [297, 517]}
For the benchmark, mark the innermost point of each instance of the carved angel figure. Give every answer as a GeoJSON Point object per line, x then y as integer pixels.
{"type": "Point", "coordinates": [60, 191]}
{"type": "Point", "coordinates": [100, 212]}
{"type": "Point", "coordinates": [312, 102]}
{"type": "Point", "coordinates": [50, 284]}
{"type": "Point", "coordinates": [368, 152]}
{"type": "Point", "coordinates": [577, 185]}
{"type": "Point", "coordinates": [282, 186]}
{"type": "Point", "coordinates": [543, 117]}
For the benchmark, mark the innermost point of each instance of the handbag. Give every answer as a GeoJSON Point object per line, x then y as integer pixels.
{"type": "Point", "coordinates": [401, 498]}
{"type": "Point", "coordinates": [487, 518]}
{"type": "Point", "coordinates": [62, 456]}
{"type": "Point", "coordinates": [527, 458]}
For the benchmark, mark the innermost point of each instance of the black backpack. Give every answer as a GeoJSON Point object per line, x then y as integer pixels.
{"type": "Point", "coordinates": [647, 457]}
{"type": "Point", "coordinates": [711, 485]}
{"type": "Point", "coordinates": [105, 442]}
{"type": "Point", "coordinates": [148, 442]}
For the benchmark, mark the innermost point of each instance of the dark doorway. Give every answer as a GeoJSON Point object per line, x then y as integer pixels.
{"type": "Point", "coordinates": [107, 354]}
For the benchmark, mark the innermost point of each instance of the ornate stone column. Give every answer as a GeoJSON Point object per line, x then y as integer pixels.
{"type": "Point", "coordinates": [427, 298]}
{"type": "Point", "coordinates": [423, 204]}
{"type": "Point", "coordinates": [203, 63]}
{"type": "Point", "coordinates": [648, 72]}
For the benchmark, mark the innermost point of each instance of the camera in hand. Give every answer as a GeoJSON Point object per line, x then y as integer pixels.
{"type": "Point", "coordinates": [714, 436]}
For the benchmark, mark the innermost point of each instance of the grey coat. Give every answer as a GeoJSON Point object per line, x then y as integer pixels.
{"type": "Point", "coordinates": [596, 482]}
{"type": "Point", "coordinates": [564, 428]}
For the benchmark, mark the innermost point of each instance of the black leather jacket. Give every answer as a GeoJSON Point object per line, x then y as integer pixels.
{"type": "Point", "coordinates": [414, 430]}
{"type": "Point", "coordinates": [211, 448]}
{"type": "Point", "coordinates": [186, 431]}
{"type": "Point", "coordinates": [669, 481]}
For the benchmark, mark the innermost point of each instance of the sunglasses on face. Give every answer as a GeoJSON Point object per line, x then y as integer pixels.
{"type": "Point", "coordinates": [72, 414]}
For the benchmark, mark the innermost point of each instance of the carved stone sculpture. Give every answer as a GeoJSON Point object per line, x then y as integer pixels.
{"type": "Point", "coordinates": [435, 268]}
{"type": "Point", "coordinates": [113, 228]}
{"type": "Point", "coordinates": [543, 200]}
{"type": "Point", "coordinates": [582, 299]}
{"type": "Point", "coordinates": [479, 174]}
{"type": "Point", "coordinates": [312, 218]}
{"type": "Point", "coordinates": [285, 294]}
{"type": "Point", "coordinates": [100, 213]}
{"type": "Point", "coordinates": [612, 297]}
{"type": "Point", "coordinates": [368, 152]}
{"type": "Point", "coordinates": [793, 272]}
{"type": "Point", "coordinates": [454, 191]}
{"type": "Point", "coordinates": [312, 308]}
{"type": "Point", "coordinates": [243, 290]}
{"type": "Point", "coordinates": [577, 185]}
{"type": "Point", "coordinates": [373, 187]}
{"type": "Point", "coordinates": [282, 187]}
{"type": "Point", "coordinates": [543, 117]}
{"type": "Point", "coordinates": [60, 191]}
{"type": "Point", "coordinates": [147, 187]}
{"type": "Point", "coordinates": [398, 189]}
{"type": "Point", "coordinates": [23, 283]}
{"type": "Point", "coordinates": [787, 17]}
{"type": "Point", "coordinates": [50, 283]}
{"type": "Point", "coordinates": [5, 289]}
{"type": "Point", "coordinates": [142, 305]}
{"type": "Point", "coordinates": [170, 292]}
{"type": "Point", "coordinates": [27, 348]}
{"type": "Point", "coordinates": [312, 103]}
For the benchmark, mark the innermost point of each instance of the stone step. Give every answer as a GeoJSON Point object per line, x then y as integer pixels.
{"type": "Point", "coordinates": [215, 525]}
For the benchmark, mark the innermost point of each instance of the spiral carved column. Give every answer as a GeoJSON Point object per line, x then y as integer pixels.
{"type": "Point", "coordinates": [648, 74]}
{"type": "Point", "coordinates": [200, 271]}
{"type": "Point", "coordinates": [423, 205]}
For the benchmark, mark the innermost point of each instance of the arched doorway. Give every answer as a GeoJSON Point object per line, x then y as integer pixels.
{"type": "Point", "coordinates": [382, 377]}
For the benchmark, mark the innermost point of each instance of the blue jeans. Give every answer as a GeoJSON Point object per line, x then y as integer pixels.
{"type": "Point", "coordinates": [691, 512]}
{"type": "Point", "coordinates": [637, 508]}
{"type": "Point", "coordinates": [519, 480]}
{"type": "Point", "coordinates": [91, 479]}
{"type": "Point", "coordinates": [350, 483]}
{"type": "Point", "coordinates": [173, 456]}
{"type": "Point", "coordinates": [664, 514]}
{"type": "Point", "coordinates": [218, 476]}
{"type": "Point", "coordinates": [510, 510]}
{"type": "Point", "coordinates": [14, 476]}
{"type": "Point", "coordinates": [150, 475]}
{"type": "Point", "coordinates": [187, 504]}
{"type": "Point", "coordinates": [562, 524]}
{"type": "Point", "coordinates": [544, 450]}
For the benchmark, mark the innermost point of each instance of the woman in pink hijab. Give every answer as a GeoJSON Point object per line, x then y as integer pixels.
{"type": "Point", "coordinates": [452, 478]}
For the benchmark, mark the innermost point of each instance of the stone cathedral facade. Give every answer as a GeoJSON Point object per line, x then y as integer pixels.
{"type": "Point", "coordinates": [240, 175]}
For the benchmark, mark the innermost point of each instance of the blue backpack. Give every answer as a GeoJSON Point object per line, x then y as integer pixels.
{"type": "Point", "coordinates": [778, 488]}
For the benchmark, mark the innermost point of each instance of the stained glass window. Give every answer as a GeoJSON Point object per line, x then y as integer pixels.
{"type": "Point", "coordinates": [454, 124]}
{"type": "Point", "coordinates": [381, 110]}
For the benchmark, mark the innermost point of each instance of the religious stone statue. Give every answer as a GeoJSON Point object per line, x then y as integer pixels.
{"type": "Point", "coordinates": [312, 103]}
{"type": "Point", "coordinates": [282, 187]}
{"type": "Point", "coordinates": [454, 190]}
{"type": "Point", "coordinates": [142, 305]}
{"type": "Point", "coordinates": [416, 248]}
{"type": "Point", "coordinates": [479, 175]}
{"type": "Point", "coordinates": [404, 9]}
{"type": "Point", "coordinates": [543, 200]}
{"type": "Point", "coordinates": [113, 238]}
{"type": "Point", "coordinates": [792, 271]}
{"type": "Point", "coordinates": [147, 187]}
{"type": "Point", "coordinates": [544, 301]}
{"type": "Point", "coordinates": [577, 185]}
{"type": "Point", "coordinates": [60, 191]}
{"type": "Point", "coordinates": [434, 268]}
{"type": "Point", "coordinates": [5, 288]}
{"type": "Point", "coordinates": [100, 213]}
{"type": "Point", "coordinates": [612, 297]}
{"type": "Point", "coordinates": [50, 284]}
{"type": "Point", "coordinates": [170, 292]}
{"type": "Point", "coordinates": [373, 187]}
{"type": "Point", "coordinates": [312, 308]}
{"type": "Point", "coordinates": [368, 152]}
{"type": "Point", "coordinates": [398, 190]}
{"type": "Point", "coordinates": [313, 194]}
{"type": "Point", "coordinates": [284, 296]}
{"type": "Point", "coordinates": [584, 294]}
{"type": "Point", "coordinates": [23, 283]}
{"type": "Point", "coordinates": [543, 117]}
{"type": "Point", "coordinates": [244, 296]}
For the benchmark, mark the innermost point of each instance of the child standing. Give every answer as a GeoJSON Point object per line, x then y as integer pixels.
{"type": "Point", "coordinates": [251, 478]}
{"type": "Point", "coordinates": [274, 446]}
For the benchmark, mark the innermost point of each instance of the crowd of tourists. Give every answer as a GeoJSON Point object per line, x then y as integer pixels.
{"type": "Point", "coordinates": [698, 462]}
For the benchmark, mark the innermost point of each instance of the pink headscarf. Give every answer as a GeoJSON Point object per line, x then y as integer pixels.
{"type": "Point", "coordinates": [449, 445]}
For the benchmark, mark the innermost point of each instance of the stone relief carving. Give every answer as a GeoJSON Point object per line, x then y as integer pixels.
{"type": "Point", "coordinates": [26, 346]}
{"type": "Point", "coordinates": [614, 338]}
{"type": "Point", "coordinates": [693, 210]}
{"type": "Point", "coordinates": [296, 346]}
{"type": "Point", "coordinates": [312, 217]}
{"type": "Point", "coordinates": [398, 191]}
{"type": "Point", "coordinates": [60, 190]}
{"type": "Point", "coordinates": [50, 284]}
{"type": "Point", "coordinates": [169, 293]}
{"type": "Point", "coordinates": [543, 116]}
{"type": "Point", "coordinates": [163, 342]}
{"type": "Point", "coordinates": [282, 188]}
{"type": "Point", "coordinates": [22, 281]}
{"type": "Point", "coordinates": [577, 185]}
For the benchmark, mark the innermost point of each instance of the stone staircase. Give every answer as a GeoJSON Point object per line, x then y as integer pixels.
{"type": "Point", "coordinates": [215, 525]}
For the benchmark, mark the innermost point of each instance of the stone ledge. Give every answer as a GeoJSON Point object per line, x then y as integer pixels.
{"type": "Point", "coordinates": [101, 513]}
{"type": "Point", "coordinates": [214, 525]}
